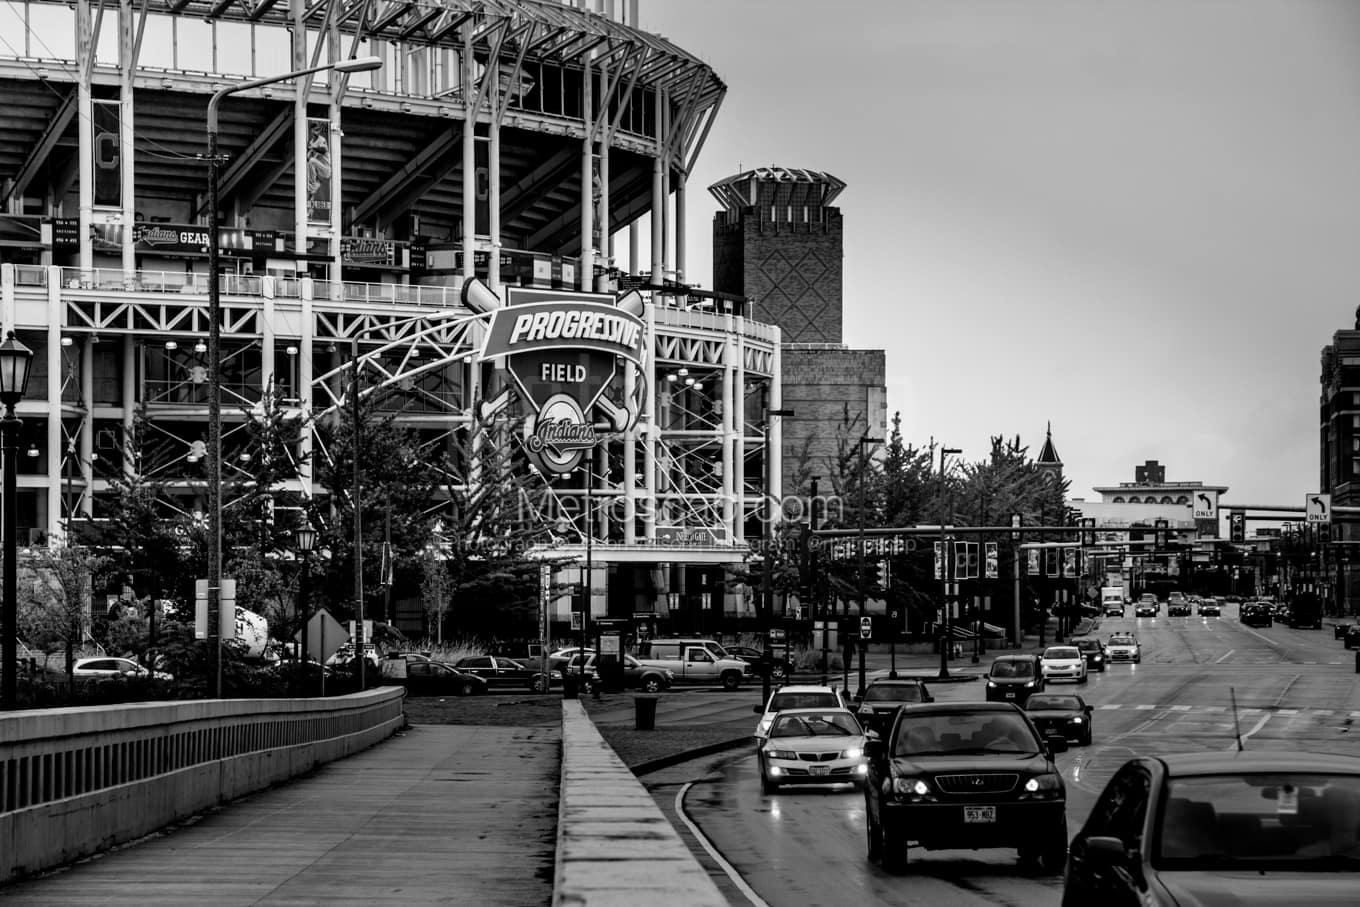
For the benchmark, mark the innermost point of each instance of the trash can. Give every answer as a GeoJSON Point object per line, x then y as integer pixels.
{"type": "Point", "coordinates": [644, 711]}
{"type": "Point", "coordinates": [569, 685]}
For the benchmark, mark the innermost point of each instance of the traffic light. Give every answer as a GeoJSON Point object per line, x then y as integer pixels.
{"type": "Point", "coordinates": [873, 575]}
{"type": "Point", "coordinates": [1324, 533]}
{"type": "Point", "coordinates": [1237, 526]}
{"type": "Point", "coordinates": [1088, 531]}
{"type": "Point", "coordinates": [1161, 527]}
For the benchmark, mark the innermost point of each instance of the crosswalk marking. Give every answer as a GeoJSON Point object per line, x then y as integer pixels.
{"type": "Point", "coordinates": [1287, 712]}
{"type": "Point", "coordinates": [1181, 708]}
{"type": "Point", "coordinates": [1144, 707]}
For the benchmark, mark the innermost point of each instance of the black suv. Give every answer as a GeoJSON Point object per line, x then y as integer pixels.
{"type": "Point", "coordinates": [1256, 614]}
{"type": "Point", "coordinates": [1014, 678]}
{"type": "Point", "coordinates": [883, 697]}
{"type": "Point", "coordinates": [965, 775]}
{"type": "Point", "coordinates": [1352, 637]}
{"type": "Point", "coordinates": [1093, 650]}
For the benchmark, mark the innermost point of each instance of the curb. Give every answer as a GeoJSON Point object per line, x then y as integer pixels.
{"type": "Point", "coordinates": [655, 765]}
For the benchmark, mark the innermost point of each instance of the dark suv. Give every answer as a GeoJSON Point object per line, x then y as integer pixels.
{"type": "Point", "coordinates": [883, 697]}
{"type": "Point", "coordinates": [1255, 614]}
{"type": "Point", "coordinates": [1014, 678]}
{"type": "Point", "coordinates": [965, 775]}
{"type": "Point", "coordinates": [1093, 650]}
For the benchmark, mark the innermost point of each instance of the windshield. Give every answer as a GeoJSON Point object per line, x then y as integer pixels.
{"type": "Point", "coordinates": [806, 724]}
{"type": "Point", "coordinates": [1067, 652]}
{"type": "Point", "coordinates": [1012, 669]}
{"type": "Point", "coordinates": [970, 733]}
{"type": "Point", "coordinates": [1053, 702]}
{"type": "Point", "coordinates": [886, 692]}
{"type": "Point", "coordinates": [784, 701]}
{"type": "Point", "coordinates": [1121, 640]}
{"type": "Point", "coordinates": [1087, 645]}
{"type": "Point", "coordinates": [1291, 821]}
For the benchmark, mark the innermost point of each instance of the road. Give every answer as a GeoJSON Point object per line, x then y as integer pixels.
{"type": "Point", "coordinates": [1295, 690]}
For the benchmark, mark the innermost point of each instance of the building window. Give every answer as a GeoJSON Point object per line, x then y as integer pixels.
{"type": "Point", "coordinates": [1118, 499]}
{"type": "Point", "coordinates": [1182, 500]}
{"type": "Point", "coordinates": [1166, 499]}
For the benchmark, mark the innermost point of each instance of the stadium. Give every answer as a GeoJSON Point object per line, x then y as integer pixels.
{"type": "Point", "coordinates": [349, 231]}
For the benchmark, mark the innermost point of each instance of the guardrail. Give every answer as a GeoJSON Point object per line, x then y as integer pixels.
{"type": "Point", "coordinates": [74, 782]}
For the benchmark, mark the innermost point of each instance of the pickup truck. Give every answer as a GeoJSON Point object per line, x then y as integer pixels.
{"type": "Point", "coordinates": [697, 664]}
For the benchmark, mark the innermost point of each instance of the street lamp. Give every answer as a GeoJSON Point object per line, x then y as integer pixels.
{"type": "Point", "coordinates": [768, 590]}
{"type": "Point", "coordinates": [945, 544]}
{"type": "Point", "coordinates": [361, 64]}
{"type": "Point", "coordinates": [305, 538]}
{"type": "Point", "coordinates": [15, 358]}
{"type": "Point", "coordinates": [863, 591]}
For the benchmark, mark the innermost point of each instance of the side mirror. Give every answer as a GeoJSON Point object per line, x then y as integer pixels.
{"type": "Point", "coordinates": [758, 709]}
{"type": "Point", "coordinates": [1105, 851]}
{"type": "Point", "coordinates": [1056, 744]}
{"type": "Point", "coordinates": [873, 745]}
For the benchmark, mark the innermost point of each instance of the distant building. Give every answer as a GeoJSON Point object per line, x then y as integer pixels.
{"type": "Point", "coordinates": [778, 240]}
{"type": "Point", "coordinates": [1339, 461]}
{"type": "Point", "coordinates": [1151, 497]}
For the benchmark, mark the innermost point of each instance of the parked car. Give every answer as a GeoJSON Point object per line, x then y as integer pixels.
{"type": "Point", "coordinates": [106, 668]}
{"type": "Point", "coordinates": [801, 696]}
{"type": "Point", "coordinates": [812, 746]}
{"type": "Point", "coordinates": [431, 678]}
{"type": "Point", "coordinates": [558, 660]}
{"type": "Point", "coordinates": [1061, 713]}
{"type": "Point", "coordinates": [1243, 828]}
{"type": "Point", "coordinates": [1339, 630]}
{"type": "Point", "coordinates": [498, 671]}
{"type": "Point", "coordinates": [965, 775]}
{"type": "Point", "coordinates": [1352, 638]}
{"type": "Point", "coordinates": [1124, 647]}
{"type": "Point", "coordinates": [1093, 651]}
{"type": "Point", "coordinates": [883, 697]}
{"type": "Point", "coordinates": [1014, 678]}
{"type": "Point", "coordinates": [780, 667]}
{"type": "Point", "coordinates": [636, 675]}
{"type": "Point", "coordinates": [1063, 663]}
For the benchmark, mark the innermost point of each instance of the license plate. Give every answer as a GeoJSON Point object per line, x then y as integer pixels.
{"type": "Point", "coordinates": [819, 769]}
{"type": "Point", "coordinates": [979, 814]}
{"type": "Point", "coordinates": [1010, 695]}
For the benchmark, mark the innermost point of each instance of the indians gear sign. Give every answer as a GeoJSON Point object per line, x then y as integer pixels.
{"type": "Point", "coordinates": [563, 350]}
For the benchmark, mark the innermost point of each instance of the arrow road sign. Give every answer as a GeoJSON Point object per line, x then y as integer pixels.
{"type": "Point", "coordinates": [1205, 505]}
{"type": "Point", "coordinates": [1318, 508]}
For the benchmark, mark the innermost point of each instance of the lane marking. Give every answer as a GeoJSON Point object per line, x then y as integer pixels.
{"type": "Point", "coordinates": [1245, 737]}
{"type": "Point", "coordinates": [1265, 639]}
{"type": "Point", "coordinates": [1224, 657]}
{"type": "Point", "coordinates": [1107, 706]}
{"type": "Point", "coordinates": [1181, 708]}
{"type": "Point", "coordinates": [1287, 712]}
{"type": "Point", "coordinates": [1144, 708]}
{"type": "Point", "coordinates": [747, 891]}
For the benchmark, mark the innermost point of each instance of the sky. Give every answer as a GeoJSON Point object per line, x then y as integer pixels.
{"type": "Point", "coordinates": [1138, 220]}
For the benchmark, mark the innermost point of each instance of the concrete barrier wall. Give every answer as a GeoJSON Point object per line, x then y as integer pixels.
{"type": "Point", "coordinates": [74, 782]}
{"type": "Point", "coordinates": [614, 845]}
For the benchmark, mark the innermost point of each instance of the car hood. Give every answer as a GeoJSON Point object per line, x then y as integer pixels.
{"type": "Point", "coordinates": [908, 766]}
{"type": "Point", "coordinates": [1121, 647]}
{"type": "Point", "coordinates": [1241, 888]}
{"type": "Point", "coordinates": [1011, 681]}
{"type": "Point", "coordinates": [887, 705]}
{"type": "Point", "coordinates": [819, 744]}
{"type": "Point", "coordinates": [1063, 662]}
{"type": "Point", "coordinates": [1051, 714]}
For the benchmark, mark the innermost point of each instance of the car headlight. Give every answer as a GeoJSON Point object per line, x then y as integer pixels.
{"type": "Point", "coordinates": [853, 752]}
{"type": "Point", "coordinates": [1044, 785]}
{"type": "Point", "coordinates": [914, 786]}
{"type": "Point", "coordinates": [1078, 720]}
{"type": "Point", "coordinates": [1029, 683]}
{"type": "Point", "coordinates": [992, 684]}
{"type": "Point", "coordinates": [781, 754]}
{"type": "Point", "coordinates": [1096, 657]}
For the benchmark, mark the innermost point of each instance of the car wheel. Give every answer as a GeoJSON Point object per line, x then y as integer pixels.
{"type": "Point", "coordinates": [768, 786]}
{"type": "Point", "coordinates": [1083, 678]}
{"type": "Point", "coordinates": [1053, 858]}
{"type": "Point", "coordinates": [651, 685]}
{"type": "Point", "coordinates": [892, 850]}
{"type": "Point", "coordinates": [1086, 738]}
{"type": "Point", "coordinates": [731, 680]}
{"type": "Point", "coordinates": [467, 688]}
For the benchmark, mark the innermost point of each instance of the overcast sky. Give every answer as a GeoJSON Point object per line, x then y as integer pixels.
{"type": "Point", "coordinates": [1139, 219]}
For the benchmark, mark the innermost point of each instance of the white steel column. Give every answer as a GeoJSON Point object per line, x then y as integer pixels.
{"type": "Point", "coordinates": [649, 417]}
{"type": "Point", "coordinates": [85, 130]}
{"type": "Point", "coordinates": [304, 389]}
{"type": "Point", "coordinates": [300, 126]}
{"type": "Point", "coordinates": [634, 266]}
{"type": "Point", "coordinates": [739, 437]}
{"type": "Point", "coordinates": [469, 156]}
{"type": "Point", "coordinates": [586, 279]}
{"type": "Point", "coordinates": [680, 227]}
{"type": "Point", "coordinates": [493, 176]}
{"type": "Point", "coordinates": [267, 342]}
{"type": "Point", "coordinates": [335, 138]}
{"type": "Point", "coordinates": [630, 439]}
{"type": "Point", "coordinates": [606, 249]}
{"type": "Point", "coordinates": [666, 261]}
{"type": "Point", "coordinates": [775, 427]}
{"type": "Point", "coordinates": [731, 355]}
{"type": "Point", "coordinates": [127, 156]}
{"type": "Point", "coordinates": [129, 401]}
{"type": "Point", "coordinates": [86, 432]}
{"type": "Point", "coordinates": [56, 376]}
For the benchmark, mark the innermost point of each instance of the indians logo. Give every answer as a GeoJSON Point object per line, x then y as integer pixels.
{"type": "Point", "coordinates": [563, 352]}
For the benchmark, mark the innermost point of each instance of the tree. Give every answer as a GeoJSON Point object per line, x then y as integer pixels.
{"type": "Point", "coordinates": [57, 598]}
{"type": "Point", "coordinates": [435, 588]}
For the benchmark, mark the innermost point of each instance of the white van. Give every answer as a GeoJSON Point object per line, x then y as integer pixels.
{"type": "Point", "coordinates": [1112, 601]}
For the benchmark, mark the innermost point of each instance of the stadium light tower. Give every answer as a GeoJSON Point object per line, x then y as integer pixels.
{"type": "Point", "coordinates": [360, 64]}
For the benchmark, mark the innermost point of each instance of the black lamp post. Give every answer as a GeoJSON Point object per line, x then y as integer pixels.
{"type": "Point", "coordinates": [15, 358]}
{"type": "Point", "coordinates": [361, 64]}
{"type": "Point", "coordinates": [863, 588]}
{"type": "Point", "coordinates": [305, 538]}
{"type": "Point", "coordinates": [767, 587]}
{"type": "Point", "coordinates": [946, 543]}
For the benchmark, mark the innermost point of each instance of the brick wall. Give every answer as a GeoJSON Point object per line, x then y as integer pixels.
{"type": "Point", "coordinates": [837, 397]}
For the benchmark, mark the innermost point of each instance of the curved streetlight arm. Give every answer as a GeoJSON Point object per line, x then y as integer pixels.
{"type": "Point", "coordinates": [360, 64]}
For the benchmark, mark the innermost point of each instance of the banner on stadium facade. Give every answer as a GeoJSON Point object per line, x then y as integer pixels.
{"type": "Point", "coordinates": [319, 158]}
{"type": "Point", "coordinates": [180, 239]}
{"type": "Point", "coordinates": [563, 351]}
{"type": "Point", "coordinates": [107, 117]}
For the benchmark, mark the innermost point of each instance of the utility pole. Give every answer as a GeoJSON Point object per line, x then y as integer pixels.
{"type": "Point", "coordinates": [946, 543]}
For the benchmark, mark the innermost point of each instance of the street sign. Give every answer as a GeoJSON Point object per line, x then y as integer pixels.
{"type": "Point", "coordinates": [1205, 505]}
{"type": "Point", "coordinates": [325, 635]}
{"type": "Point", "coordinates": [866, 627]}
{"type": "Point", "coordinates": [1318, 508]}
